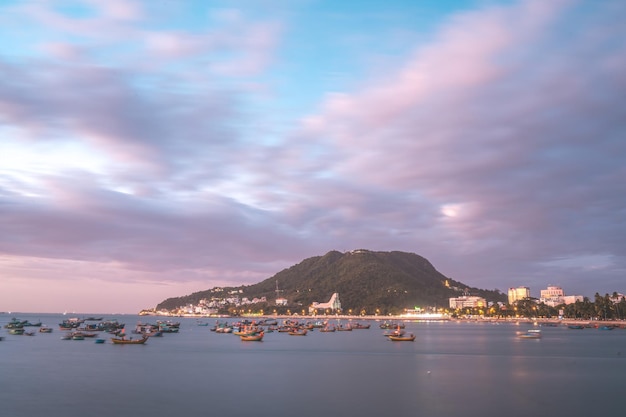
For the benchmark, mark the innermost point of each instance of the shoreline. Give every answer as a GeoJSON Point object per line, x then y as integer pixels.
{"type": "Point", "coordinates": [518, 320]}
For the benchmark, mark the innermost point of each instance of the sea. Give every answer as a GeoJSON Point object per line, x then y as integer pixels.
{"type": "Point", "coordinates": [452, 369]}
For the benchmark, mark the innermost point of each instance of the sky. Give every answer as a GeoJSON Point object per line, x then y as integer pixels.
{"type": "Point", "coordinates": [152, 149]}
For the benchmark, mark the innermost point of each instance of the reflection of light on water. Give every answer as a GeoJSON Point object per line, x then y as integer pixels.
{"type": "Point", "coordinates": [425, 316]}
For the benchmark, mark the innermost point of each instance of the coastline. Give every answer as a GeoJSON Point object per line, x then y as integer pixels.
{"type": "Point", "coordinates": [412, 318]}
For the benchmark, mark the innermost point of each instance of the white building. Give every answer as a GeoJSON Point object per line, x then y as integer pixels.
{"type": "Point", "coordinates": [571, 299]}
{"type": "Point", "coordinates": [519, 293]}
{"type": "Point", "coordinates": [333, 304]}
{"type": "Point", "coordinates": [554, 296]}
{"type": "Point", "coordinates": [467, 301]}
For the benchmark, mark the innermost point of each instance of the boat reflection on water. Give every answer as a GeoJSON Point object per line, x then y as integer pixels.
{"type": "Point", "coordinates": [530, 334]}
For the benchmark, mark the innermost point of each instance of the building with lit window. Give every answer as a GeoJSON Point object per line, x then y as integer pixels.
{"type": "Point", "coordinates": [554, 296]}
{"type": "Point", "coordinates": [519, 293]}
{"type": "Point", "coordinates": [467, 301]}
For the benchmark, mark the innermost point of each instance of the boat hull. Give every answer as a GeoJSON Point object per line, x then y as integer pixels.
{"type": "Point", "coordinates": [410, 338]}
{"type": "Point", "coordinates": [128, 341]}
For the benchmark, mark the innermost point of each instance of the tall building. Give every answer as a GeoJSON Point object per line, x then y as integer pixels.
{"type": "Point", "coordinates": [519, 293]}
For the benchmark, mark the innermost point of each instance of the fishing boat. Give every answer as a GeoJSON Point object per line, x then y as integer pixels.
{"type": "Point", "coordinates": [398, 332]}
{"type": "Point", "coordinates": [391, 325]}
{"type": "Point", "coordinates": [252, 337]}
{"type": "Point", "coordinates": [297, 332]}
{"type": "Point", "coordinates": [327, 329]}
{"type": "Point", "coordinates": [247, 331]}
{"type": "Point", "coordinates": [576, 326]}
{"type": "Point", "coordinates": [78, 335]}
{"type": "Point", "coordinates": [45, 329]}
{"type": "Point", "coordinates": [15, 324]}
{"type": "Point", "coordinates": [404, 338]}
{"type": "Point", "coordinates": [131, 341]}
{"type": "Point", "coordinates": [99, 341]}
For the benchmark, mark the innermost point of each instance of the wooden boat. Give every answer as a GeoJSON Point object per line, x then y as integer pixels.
{"type": "Point", "coordinates": [395, 333]}
{"type": "Point", "coordinates": [252, 337]}
{"type": "Point", "coordinates": [403, 338]}
{"type": "Point", "coordinates": [45, 329]}
{"type": "Point", "coordinates": [224, 329]}
{"type": "Point", "coordinates": [390, 325]}
{"type": "Point", "coordinates": [247, 331]}
{"type": "Point", "coordinates": [576, 326]}
{"type": "Point", "coordinates": [360, 326]}
{"type": "Point", "coordinates": [15, 324]}
{"type": "Point", "coordinates": [84, 334]}
{"type": "Point", "coordinates": [298, 332]}
{"type": "Point", "coordinates": [16, 330]}
{"type": "Point", "coordinates": [131, 341]}
{"type": "Point", "coordinates": [100, 341]}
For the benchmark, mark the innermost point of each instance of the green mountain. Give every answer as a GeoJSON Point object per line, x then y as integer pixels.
{"type": "Point", "coordinates": [366, 281]}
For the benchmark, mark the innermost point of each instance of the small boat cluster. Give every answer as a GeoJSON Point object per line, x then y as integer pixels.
{"type": "Point", "coordinates": [255, 330]}
{"type": "Point", "coordinates": [91, 324]}
{"type": "Point", "coordinates": [593, 326]}
{"type": "Point", "coordinates": [81, 329]}
{"type": "Point", "coordinates": [18, 327]}
{"type": "Point", "coordinates": [246, 330]}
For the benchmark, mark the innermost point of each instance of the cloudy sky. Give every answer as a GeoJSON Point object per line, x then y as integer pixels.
{"type": "Point", "coordinates": [151, 149]}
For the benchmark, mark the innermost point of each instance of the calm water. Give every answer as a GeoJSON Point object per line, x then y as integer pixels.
{"type": "Point", "coordinates": [452, 369]}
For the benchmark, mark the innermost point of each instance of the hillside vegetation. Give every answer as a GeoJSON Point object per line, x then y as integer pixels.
{"type": "Point", "coordinates": [367, 282]}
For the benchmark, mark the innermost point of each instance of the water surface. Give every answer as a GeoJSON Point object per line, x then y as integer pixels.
{"type": "Point", "coordinates": [452, 369]}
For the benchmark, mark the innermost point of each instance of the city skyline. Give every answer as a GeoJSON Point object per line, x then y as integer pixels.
{"type": "Point", "coordinates": [152, 149]}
